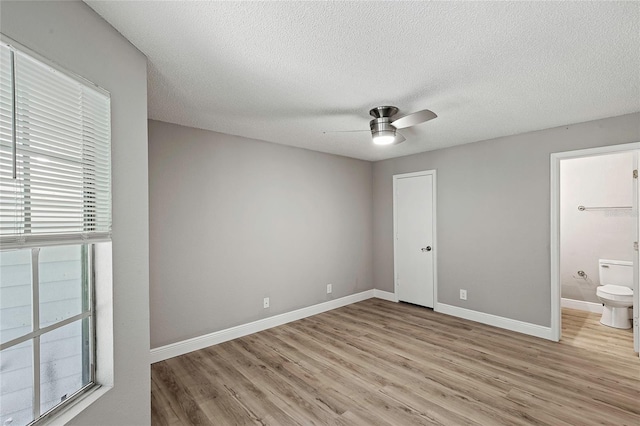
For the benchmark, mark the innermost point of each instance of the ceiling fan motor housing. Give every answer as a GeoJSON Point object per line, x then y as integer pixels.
{"type": "Point", "coordinates": [381, 123]}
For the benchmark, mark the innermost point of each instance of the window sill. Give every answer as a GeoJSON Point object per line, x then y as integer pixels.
{"type": "Point", "coordinates": [68, 413]}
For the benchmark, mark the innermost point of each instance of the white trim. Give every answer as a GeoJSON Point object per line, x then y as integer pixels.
{"type": "Point", "coordinates": [68, 413]}
{"type": "Point", "coordinates": [601, 150]}
{"type": "Point", "coordinates": [200, 342]}
{"type": "Point", "coordinates": [434, 189]}
{"type": "Point", "coordinates": [196, 343]}
{"type": "Point", "coordinates": [636, 259]}
{"type": "Point", "coordinates": [385, 295]}
{"type": "Point", "coordinates": [436, 247]}
{"type": "Point", "coordinates": [556, 313]}
{"type": "Point", "coordinates": [496, 321]}
{"type": "Point", "coordinates": [581, 305]}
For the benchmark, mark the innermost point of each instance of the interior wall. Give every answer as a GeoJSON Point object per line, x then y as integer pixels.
{"type": "Point", "coordinates": [586, 236]}
{"type": "Point", "coordinates": [70, 34]}
{"type": "Point", "coordinates": [234, 220]}
{"type": "Point", "coordinates": [493, 216]}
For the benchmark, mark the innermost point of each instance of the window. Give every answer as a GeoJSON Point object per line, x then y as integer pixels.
{"type": "Point", "coordinates": [55, 205]}
{"type": "Point", "coordinates": [56, 336]}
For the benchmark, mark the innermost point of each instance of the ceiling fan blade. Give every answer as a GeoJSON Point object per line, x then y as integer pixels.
{"type": "Point", "coordinates": [413, 119]}
{"type": "Point", "coordinates": [345, 131]}
{"type": "Point", "coordinates": [399, 139]}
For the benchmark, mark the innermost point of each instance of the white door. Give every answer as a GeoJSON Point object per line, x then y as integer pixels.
{"type": "Point", "coordinates": [414, 245]}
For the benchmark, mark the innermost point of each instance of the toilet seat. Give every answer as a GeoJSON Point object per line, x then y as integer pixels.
{"type": "Point", "coordinates": [615, 292]}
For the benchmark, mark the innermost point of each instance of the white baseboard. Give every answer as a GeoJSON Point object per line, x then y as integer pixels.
{"type": "Point", "coordinates": [496, 321]}
{"type": "Point", "coordinates": [385, 295]}
{"type": "Point", "coordinates": [596, 308]}
{"type": "Point", "coordinates": [193, 344]}
{"type": "Point", "coordinates": [200, 342]}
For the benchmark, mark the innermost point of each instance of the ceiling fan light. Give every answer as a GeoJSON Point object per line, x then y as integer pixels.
{"type": "Point", "coordinates": [382, 132]}
{"type": "Point", "coordinates": [384, 137]}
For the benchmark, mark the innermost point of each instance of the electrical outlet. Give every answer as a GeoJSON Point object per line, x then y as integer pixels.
{"type": "Point", "coordinates": [265, 302]}
{"type": "Point", "coordinates": [329, 288]}
{"type": "Point", "coordinates": [463, 294]}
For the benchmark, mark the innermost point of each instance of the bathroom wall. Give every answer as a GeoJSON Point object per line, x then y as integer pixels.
{"type": "Point", "coordinates": [586, 236]}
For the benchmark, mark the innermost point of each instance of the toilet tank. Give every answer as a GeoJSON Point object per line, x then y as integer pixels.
{"type": "Point", "coordinates": [616, 272]}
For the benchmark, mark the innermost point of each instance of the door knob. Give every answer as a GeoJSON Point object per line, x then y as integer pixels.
{"type": "Point", "coordinates": [427, 248]}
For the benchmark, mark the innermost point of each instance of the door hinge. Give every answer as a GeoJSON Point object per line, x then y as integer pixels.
{"type": "Point", "coordinates": [635, 245]}
{"type": "Point", "coordinates": [635, 174]}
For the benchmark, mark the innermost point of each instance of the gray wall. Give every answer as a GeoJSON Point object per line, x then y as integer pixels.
{"type": "Point", "coordinates": [586, 236]}
{"type": "Point", "coordinates": [493, 216]}
{"type": "Point", "coordinates": [234, 220]}
{"type": "Point", "coordinates": [72, 35]}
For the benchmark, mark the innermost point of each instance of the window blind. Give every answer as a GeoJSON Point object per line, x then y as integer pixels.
{"type": "Point", "coordinates": [55, 155]}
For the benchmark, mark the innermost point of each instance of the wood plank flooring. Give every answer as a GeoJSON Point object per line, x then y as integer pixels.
{"type": "Point", "coordinates": [383, 363]}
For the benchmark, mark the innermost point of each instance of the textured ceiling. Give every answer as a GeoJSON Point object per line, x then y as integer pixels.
{"type": "Point", "coordinates": [287, 71]}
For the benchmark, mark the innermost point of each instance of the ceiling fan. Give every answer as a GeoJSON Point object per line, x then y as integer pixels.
{"type": "Point", "coordinates": [384, 127]}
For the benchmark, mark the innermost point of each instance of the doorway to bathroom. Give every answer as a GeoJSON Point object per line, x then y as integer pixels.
{"type": "Point", "coordinates": [594, 235]}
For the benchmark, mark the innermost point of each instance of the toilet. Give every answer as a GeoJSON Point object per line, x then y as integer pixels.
{"type": "Point", "coordinates": [615, 292]}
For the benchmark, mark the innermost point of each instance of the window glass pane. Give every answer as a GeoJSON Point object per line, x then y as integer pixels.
{"type": "Point", "coordinates": [64, 363]}
{"type": "Point", "coordinates": [16, 384]}
{"type": "Point", "coordinates": [61, 284]}
{"type": "Point", "coordinates": [15, 294]}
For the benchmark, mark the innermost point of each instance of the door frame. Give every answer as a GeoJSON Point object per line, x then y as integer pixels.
{"type": "Point", "coordinates": [556, 293]}
{"type": "Point", "coordinates": [434, 186]}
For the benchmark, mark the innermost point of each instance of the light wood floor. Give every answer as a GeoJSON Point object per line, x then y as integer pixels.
{"type": "Point", "coordinates": [382, 363]}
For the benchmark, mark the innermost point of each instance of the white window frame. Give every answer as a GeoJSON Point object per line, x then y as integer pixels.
{"type": "Point", "coordinates": [36, 332]}
{"type": "Point", "coordinates": [102, 302]}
